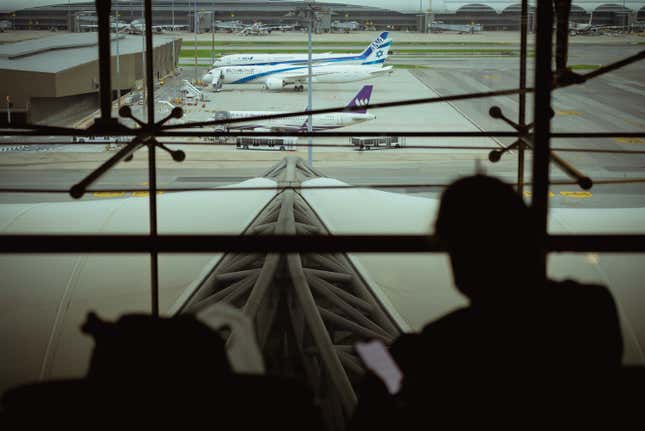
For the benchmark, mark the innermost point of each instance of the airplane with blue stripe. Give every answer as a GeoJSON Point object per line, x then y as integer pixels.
{"type": "Point", "coordinates": [282, 76]}
{"type": "Point", "coordinates": [381, 43]}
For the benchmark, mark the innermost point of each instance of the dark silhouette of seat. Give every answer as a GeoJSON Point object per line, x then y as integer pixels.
{"type": "Point", "coordinates": [159, 372]}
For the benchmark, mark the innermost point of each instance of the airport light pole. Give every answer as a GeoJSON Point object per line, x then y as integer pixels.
{"type": "Point", "coordinates": [172, 22]}
{"type": "Point", "coordinates": [143, 69]}
{"type": "Point", "coordinates": [118, 67]}
{"type": "Point", "coordinates": [310, 126]}
{"type": "Point", "coordinates": [625, 17]}
{"type": "Point", "coordinates": [9, 110]}
{"type": "Point", "coordinates": [195, 26]}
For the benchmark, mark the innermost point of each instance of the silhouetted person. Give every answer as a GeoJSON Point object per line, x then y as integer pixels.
{"type": "Point", "coordinates": [514, 319]}
{"type": "Point", "coordinates": [522, 344]}
{"type": "Point", "coordinates": [147, 371]}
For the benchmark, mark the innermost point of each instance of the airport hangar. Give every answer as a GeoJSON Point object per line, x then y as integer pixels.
{"type": "Point", "coordinates": [492, 14]}
{"type": "Point", "coordinates": [60, 75]}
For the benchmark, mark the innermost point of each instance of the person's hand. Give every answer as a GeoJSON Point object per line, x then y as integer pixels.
{"type": "Point", "coordinates": [376, 407]}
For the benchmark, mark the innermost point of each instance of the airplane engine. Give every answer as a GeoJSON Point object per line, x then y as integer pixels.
{"type": "Point", "coordinates": [274, 84]}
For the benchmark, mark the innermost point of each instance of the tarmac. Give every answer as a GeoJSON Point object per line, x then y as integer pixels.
{"type": "Point", "coordinates": [609, 103]}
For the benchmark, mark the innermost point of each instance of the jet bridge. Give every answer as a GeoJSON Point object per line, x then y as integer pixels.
{"type": "Point", "coordinates": [308, 309]}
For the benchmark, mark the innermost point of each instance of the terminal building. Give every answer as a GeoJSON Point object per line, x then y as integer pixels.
{"type": "Point", "coordinates": [58, 77]}
{"type": "Point", "coordinates": [379, 14]}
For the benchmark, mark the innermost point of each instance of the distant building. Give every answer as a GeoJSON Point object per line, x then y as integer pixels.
{"type": "Point", "coordinates": [50, 75]}
{"type": "Point", "coordinates": [393, 14]}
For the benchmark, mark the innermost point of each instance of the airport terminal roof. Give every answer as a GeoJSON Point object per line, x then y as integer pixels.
{"type": "Point", "coordinates": [43, 309]}
{"type": "Point", "coordinates": [402, 6]}
{"type": "Point", "coordinates": [57, 53]}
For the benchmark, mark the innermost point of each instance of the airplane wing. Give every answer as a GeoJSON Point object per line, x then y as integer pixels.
{"type": "Point", "coordinates": [167, 27]}
{"type": "Point", "coordinates": [382, 71]}
{"type": "Point", "coordinates": [302, 76]}
{"type": "Point", "coordinates": [175, 27]}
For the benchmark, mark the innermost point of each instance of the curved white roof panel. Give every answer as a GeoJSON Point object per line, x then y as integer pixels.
{"type": "Point", "coordinates": [44, 298]}
{"type": "Point", "coordinates": [403, 6]}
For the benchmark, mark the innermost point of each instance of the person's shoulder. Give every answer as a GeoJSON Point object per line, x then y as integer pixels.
{"type": "Point", "coordinates": [575, 290]}
{"type": "Point", "coordinates": [451, 321]}
{"type": "Point", "coordinates": [441, 330]}
{"type": "Point", "coordinates": [592, 304]}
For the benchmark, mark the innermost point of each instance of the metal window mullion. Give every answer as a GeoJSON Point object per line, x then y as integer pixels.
{"type": "Point", "coordinates": [105, 58]}
{"type": "Point", "coordinates": [522, 96]}
{"type": "Point", "coordinates": [542, 129]}
{"type": "Point", "coordinates": [152, 165]}
{"type": "Point", "coordinates": [196, 243]}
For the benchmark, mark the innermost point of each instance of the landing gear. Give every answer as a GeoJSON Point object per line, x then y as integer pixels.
{"type": "Point", "coordinates": [299, 88]}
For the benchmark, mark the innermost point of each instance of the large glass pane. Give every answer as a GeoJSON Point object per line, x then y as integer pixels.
{"type": "Point", "coordinates": [230, 61]}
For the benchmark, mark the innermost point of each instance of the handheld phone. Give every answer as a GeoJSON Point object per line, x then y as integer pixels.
{"type": "Point", "coordinates": [377, 359]}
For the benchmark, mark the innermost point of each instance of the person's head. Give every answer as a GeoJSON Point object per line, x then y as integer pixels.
{"type": "Point", "coordinates": [489, 234]}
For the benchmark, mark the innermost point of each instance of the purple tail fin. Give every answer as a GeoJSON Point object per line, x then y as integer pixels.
{"type": "Point", "coordinates": [362, 98]}
{"type": "Point", "coordinates": [304, 127]}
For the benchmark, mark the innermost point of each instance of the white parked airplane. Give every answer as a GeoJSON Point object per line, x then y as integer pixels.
{"type": "Point", "coordinates": [299, 123]}
{"type": "Point", "coordinates": [115, 27]}
{"type": "Point", "coordinates": [257, 29]}
{"type": "Point", "coordinates": [589, 29]}
{"type": "Point", "coordinates": [229, 26]}
{"type": "Point", "coordinates": [138, 26]}
{"type": "Point", "coordinates": [277, 78]}
{"type": "Point", "coordinates": [381, 43]}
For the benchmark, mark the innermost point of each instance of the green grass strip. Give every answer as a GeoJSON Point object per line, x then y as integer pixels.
{"type": "Point", "coordinates": [408, 66]}
{"type": "Point", "coordinates": [358, 44]}
{"type": "Point", "coordinates": [207, 52]}
{"type": "Point", "coordinates": [584, 66]}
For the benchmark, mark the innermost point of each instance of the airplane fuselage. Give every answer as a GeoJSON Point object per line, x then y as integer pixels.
{"type": "Point", "coordinates": [319, 121]}
{"type": "Point", "coordinates": [322, 73]}
{"type": "Point", "coordinates": [275, 59]}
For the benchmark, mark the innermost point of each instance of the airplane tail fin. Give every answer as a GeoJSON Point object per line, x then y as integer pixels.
{"type": "Point", "coordinates": [378, 41]}
{"type": "Point", "coordinates": [305, 126]}
{"type": "Point", "coordinates": [362, 98]}
{"type": "Point", "coordinates": [378, 50]}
